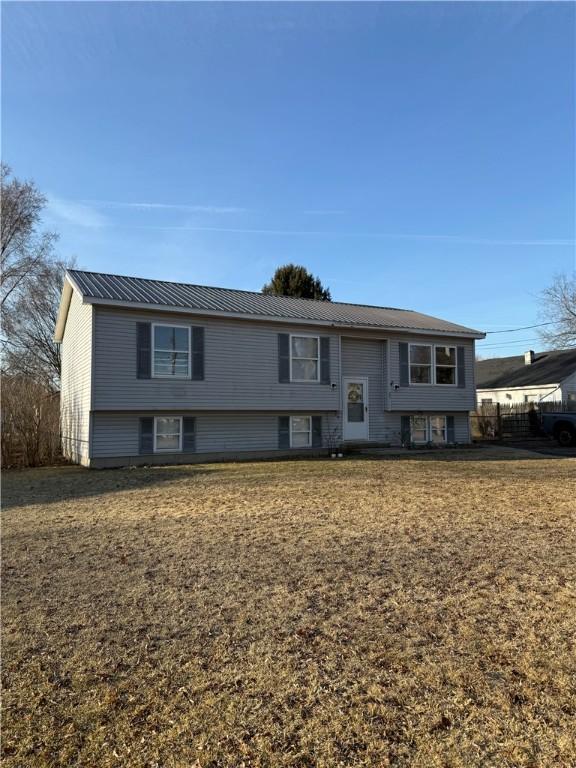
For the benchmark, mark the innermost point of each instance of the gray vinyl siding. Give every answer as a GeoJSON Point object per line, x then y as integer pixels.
{"type": "Point", "coordinates": [75, 388]}
{"type": "Point", "coordinates": [432, 397]}
{"type": "Point", "coordinates": [116, 434]}
{"type": "Point", "coordinates": [241, 368]}
{"type": "Point", "coordinates": [367, 357]}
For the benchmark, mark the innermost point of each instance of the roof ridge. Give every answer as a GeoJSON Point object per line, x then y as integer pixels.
{"type": "Point", "coordinates": [520, 355]}
{"type": "Point", "coordinates": [237, 290]}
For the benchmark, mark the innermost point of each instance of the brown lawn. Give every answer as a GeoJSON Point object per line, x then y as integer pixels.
{"type": "Point", "coordinates": [417, 612]}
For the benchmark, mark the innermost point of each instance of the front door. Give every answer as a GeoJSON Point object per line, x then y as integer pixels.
{"type": "Point", "coordinates": [355, 417]}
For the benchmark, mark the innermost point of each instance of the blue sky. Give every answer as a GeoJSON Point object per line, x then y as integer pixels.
{"type": "Point", "coordinates": [418, 155]}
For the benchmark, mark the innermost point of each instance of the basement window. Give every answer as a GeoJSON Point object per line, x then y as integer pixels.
{"type": "Point", "coordinates": [428, 429]}
{"type": "Point", "coordinates": [301, 431]}
{"type": "Point", "coordinates": [167, 434]}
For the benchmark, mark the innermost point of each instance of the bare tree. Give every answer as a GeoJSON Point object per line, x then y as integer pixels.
{"type": "Point", "coordinates": [558, 307]}
{"type": "Point", "coordinates": [23, 249]}
{"type": "Point", "coordinates": [30, 423]}
{"type": "Point", "coordinates": [29, 347]}
{"type": "Point", "coordinates": [30, 284]}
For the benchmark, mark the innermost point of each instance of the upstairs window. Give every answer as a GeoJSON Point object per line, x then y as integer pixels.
{"type": "Point", "coordinates": [171, 351]}
{"type": "Point", "coordinates": [432, 364]}
{"type": "Point", "coordinates": [305, 358]}
{"type": "Point", "coordinates": [420, 364]}
{"type": "Point", "coordinates": [445, 365]}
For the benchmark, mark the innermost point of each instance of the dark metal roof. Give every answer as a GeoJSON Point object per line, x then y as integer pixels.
{"type": "Point", "coordinates": [160, 293]}
{"type": "Point", "coordinates": [547, 368]}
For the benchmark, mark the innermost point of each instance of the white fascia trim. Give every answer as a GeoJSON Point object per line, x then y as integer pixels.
{"type": "Point", "coordinates": [276, 319]}
{"type": "Point", "coordinates": [62, 316]}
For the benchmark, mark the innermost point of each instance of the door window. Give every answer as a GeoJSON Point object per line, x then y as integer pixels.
{"type": "Point", "coordinates": [355, 401]}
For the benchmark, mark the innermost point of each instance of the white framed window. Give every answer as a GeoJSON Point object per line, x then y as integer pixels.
{"type": "Point", "coordinates": [418, 429]}
{"type": "Point", "coordinates": [170, 351]}
{"type": "Point", "coordinates": [445, 372]}
{"type": "Point", "coordinates": [437, 429]}
{"type": "Point", "coordinates": [433, 365]}
{"type": "Point", "coordinates": [420, 363]}
{"type": "Point", "coordinates": [300, 431]}
{"type": "Point", "coordinates": [428, 429]}
{"type": "Point", "coordinates": [486, 401]}
{"type": "Point", "coordinates": [304, 358]}
{"type": "Point", "coordinates": [167, 434]}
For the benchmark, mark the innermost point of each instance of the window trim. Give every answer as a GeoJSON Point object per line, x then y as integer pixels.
{"type": "Point", "coordinates": [444, 428]}
{"type": "Point", "coordinates": [304, 416]}
{"type": "Point", "coordinates": [155, 375]}
{"type": "Point", "coordinates": [428, 418]}
{"type": "Point", "coordinates": [181, 437]}
{"type": "Point", "coordinates": [306, 336]}
{"type": "Point", "coordinates": [427, 429]}
{"type": "Point", "coordinates": [431, 366]}
{"type": "Point", "coordinates": [455, 366]}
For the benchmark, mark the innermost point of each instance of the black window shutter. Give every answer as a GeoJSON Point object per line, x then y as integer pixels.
{"type": "Point", "coordinates": [197, 353]}
{"type": "Point", "coordinates": [404, 367]}
{"type": "Point", "coordinates": [283, 432]}
{"type": "Point", "coordinates": [316, 431]}
{"type": "Point", "coordinates": [450, 433]}
{"type": "Point", "coordinates": [405, 435]}
{"type": "Point", "coordinates": [188, 434]}
{"type": "Point", "coordinates": [143, 350]}
{"type": "Point", "coordinates": [461, 366]}
{"type": "Point", "coordinates": [325, 359]}
{"type": "Point", "coordinates": [283, 358]}
{"type": "Point", "coordinates": [147, 434]}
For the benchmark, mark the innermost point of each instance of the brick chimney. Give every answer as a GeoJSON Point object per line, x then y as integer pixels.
{"type": "Point", "coordinates": [529, 357]}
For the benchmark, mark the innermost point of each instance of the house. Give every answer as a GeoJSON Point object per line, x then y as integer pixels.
{"type": "Point", "coordinates": [529, 378]}
{"type": "Point", "coordinates": [163, 372]}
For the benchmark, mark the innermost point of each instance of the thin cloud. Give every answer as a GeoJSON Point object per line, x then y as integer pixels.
{"type": "Point", "coordinates": [76, 213]}
{"type": "Point", "coordinates": [457, 239]}
{"type": "Point", "coordinates": [147, 206]}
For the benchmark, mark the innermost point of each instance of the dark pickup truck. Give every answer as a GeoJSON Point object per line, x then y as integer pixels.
{"type": "Point", "coordinates": [561, 426]}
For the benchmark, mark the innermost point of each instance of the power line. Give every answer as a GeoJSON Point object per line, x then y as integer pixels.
{"type": "Point", "coordinates": [522, 328]}
{"type": "Point", "coordinates": [507, 343]}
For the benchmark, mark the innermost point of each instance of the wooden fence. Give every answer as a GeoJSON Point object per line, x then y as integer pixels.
{"type": "Point", "coordinates": [514, 421]}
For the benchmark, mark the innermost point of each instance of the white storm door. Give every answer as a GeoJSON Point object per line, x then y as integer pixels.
{"type": "Point", "coordinates": [355, 416]}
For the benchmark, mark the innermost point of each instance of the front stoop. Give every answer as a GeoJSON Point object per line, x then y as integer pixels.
{"type": "Point", "coordinates": [366, 446]}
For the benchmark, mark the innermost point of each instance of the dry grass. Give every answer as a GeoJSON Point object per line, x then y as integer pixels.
{"type": "Point", "coordinates": [360, 613]}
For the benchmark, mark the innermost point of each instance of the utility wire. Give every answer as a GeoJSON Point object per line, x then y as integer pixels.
{"type": "Point", "coordinates": [506, 343]}
{"type": "Point", "coordinates": [522, 328]}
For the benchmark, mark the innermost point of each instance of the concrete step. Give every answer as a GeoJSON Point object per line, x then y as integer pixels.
{"type": "Point", "coordinates": [368, 445]}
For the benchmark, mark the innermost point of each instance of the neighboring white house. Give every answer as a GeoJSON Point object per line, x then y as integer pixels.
{"type": "Point", "coordinates": [529, 378]}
